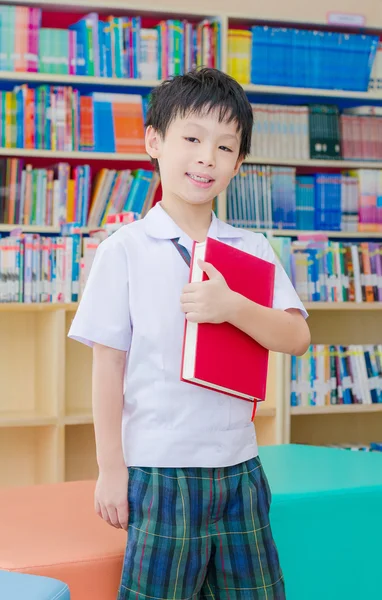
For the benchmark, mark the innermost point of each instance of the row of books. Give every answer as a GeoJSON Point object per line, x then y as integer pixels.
{"type": "Point", "coordinates": [372, 447]}
{"type": "Point", "coordinates": [331, 375]}
{"type": "Point", "coordinates": [317, 131]}
{"type": "Point", "coordinates": [375, 82]}
{"type": "Point", "coordinates": [361, 133]}
{"type": "Point", "coordinates": [265, 197]}
{"type": "Point", "coordinates": [52, 269]}
{"type": "Point", "coordinates": [36, 268]}
{"type": "Point", "coordinates": [62, 118]}
{"type": "Point", "coordinates": [60, 194]}
{"type": "Point", "coordinates": [302, 58]}
{"type": "Point", "coordinates": [106, 46]}
{"type": "Point", "coordinates": [329, 271]}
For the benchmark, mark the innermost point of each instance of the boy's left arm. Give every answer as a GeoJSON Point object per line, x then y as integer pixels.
{"type": "Point", "coordinates": [278, 330]}
{"type": "Point", "coordinates": [213, 301]}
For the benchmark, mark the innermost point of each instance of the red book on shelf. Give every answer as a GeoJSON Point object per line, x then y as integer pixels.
{"type": "Point", "coordinates": [220, 356]}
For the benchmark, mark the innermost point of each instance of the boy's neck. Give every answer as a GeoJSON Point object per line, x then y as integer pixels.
{"type": "Point", "coordinates": [194, 220]}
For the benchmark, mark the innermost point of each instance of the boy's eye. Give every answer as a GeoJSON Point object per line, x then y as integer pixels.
{"type": "Point", "coordinates": [191, 139]}
{"type": "Point", "coordinates": [225, 148]}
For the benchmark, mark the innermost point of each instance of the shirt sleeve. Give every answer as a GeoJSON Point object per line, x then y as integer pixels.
{"type": "Point", "coordinates": [285, 296]}
{"type": "Point", "coordinates": [103, 315]}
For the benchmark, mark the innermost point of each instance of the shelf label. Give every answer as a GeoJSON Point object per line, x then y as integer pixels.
{"type": "Point", "coordinates": [348, 19]}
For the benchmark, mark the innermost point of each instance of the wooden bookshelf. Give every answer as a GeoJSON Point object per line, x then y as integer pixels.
{"type": "Point", "coordinates": [46, 423]}
{"type": "Point", "coordinates": [279, 90]}
{"type": "Point", "coordinates": [329, 164]}
{"type": "Point", "coordinates": [43, 229]}
{"type": "Point", "coordinates": [345, 324]}
{"type": "Point", "coordinates": [75, 80]}
{"type": "Point", "coordinates": [335, 409]}
{"type": "Point", "coordinates": [73, 155]}
{"type": "Point", "coordinates": [354, 235]}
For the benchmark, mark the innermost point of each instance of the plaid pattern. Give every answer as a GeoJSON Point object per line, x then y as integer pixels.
{"type": "Point", "coordinates": [198, 533]}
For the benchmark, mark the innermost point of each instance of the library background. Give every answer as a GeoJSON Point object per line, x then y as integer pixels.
{"type": "Point", "coordinates": [74, 84]}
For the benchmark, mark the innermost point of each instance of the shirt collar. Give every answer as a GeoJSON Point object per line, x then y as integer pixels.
{"type": "Point", "coordinates": [158, 224]}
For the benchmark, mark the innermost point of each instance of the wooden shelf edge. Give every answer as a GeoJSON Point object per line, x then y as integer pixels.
{"type": "Point", "coordinates": [72, 306]}
{"type": "Point", "coordinates": [329, 234]}
{"type": "Point", "coordinates": [36, 306]}
{"type": "Point", "coordinates": [73, 155]}
{"type": "Point", "coordinates": [28, 420]}
{"type": "Point", "coordinates": [298, 91]}
{"type": "Point", "coordinates": [78, 419]}
{"type": "Point", "coordinates": [5, 227]}
{"type": "Point", "coordinates": [102, 7]}
{"type": "Point", "coordinates": [296, 162]}
{"type": "Point", "coordinates": [54, 78]}
{"type": "Point", "coordinates": [251, 88]}
{"type": "Point", "coordinates": [337, 410]}
{"type": "Point", "coordinates": [346, 306]}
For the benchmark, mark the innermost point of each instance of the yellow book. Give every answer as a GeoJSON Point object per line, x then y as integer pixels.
{"type": "Point", "coordinates": [8, 119]}
{"type": "Point", "coordinates": [70, 201]}
{"type": "Point", "coordinates": [239, 55]}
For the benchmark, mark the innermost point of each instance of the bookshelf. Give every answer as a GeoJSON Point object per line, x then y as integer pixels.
{"type": "Point", "coordinates": [279, 90]}
{"type": "Point", "coordinates": [342, 323]}
{"type": "Point", "coordinates": [321, 163]}
{"type": "Point", "coordinates": [46, 425]}
{"type": "Point", "coordinates": [57, 154]}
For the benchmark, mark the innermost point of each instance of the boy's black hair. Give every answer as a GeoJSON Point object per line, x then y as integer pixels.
{"type": "Point", "coordinates": [200, 92]}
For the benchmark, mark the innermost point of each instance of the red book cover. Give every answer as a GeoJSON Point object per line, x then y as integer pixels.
{"type": "Point", "coordinates": [220, 356]}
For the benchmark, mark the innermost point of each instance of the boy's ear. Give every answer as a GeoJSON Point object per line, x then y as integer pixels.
{"type": "Point", "coordinates": [238, 165]}
{"type": "Point", "coordinates": [152, 142]}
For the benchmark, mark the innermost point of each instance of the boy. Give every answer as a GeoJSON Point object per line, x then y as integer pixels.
{"type": "Point", "coordinates": [197, 505]}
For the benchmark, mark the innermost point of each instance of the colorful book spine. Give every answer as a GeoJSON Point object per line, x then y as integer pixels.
{"type": "Point", "coordinates": [336, 374]}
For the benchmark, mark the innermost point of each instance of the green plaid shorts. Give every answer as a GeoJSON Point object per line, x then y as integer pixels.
{"type": "Point", "coordinates": [198, 533]}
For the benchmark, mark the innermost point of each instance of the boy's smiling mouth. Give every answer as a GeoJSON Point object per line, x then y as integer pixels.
{"type": "Point", "coordinates": [200, 180]}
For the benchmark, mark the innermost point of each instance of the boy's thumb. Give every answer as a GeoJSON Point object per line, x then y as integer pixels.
{"type": "Point", "coordinates": [211, 271]}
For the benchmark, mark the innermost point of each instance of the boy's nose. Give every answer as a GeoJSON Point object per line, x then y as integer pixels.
{"type": "Point", "coordinates": [208, 160]}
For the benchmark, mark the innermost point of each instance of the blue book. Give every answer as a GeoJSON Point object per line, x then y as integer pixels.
{"type": "Point", "coordinates": [138, 191]}
{"type": "Point", "coordinates": [108, 63]}
{"type": "Point", "coordinates": [82, 48]}
{"type": "Point", "coordinates": [104, 139]}
{"type": "Point", "coordinates": [86, 196]}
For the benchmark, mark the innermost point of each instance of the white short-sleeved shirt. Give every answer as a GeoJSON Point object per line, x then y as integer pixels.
{"type": "Point", "coordinates": [132, 302]}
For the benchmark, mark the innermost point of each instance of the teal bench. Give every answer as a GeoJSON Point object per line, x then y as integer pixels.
{"type": "Point", "coordinates": [20, 586]}
{"type": "Point", "coordinates": [326, 517]}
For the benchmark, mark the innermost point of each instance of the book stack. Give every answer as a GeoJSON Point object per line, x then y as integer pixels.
{"type": "Point", "coordinates": [61, 194]}
{"type": "Point", "coordinates": [280, 131]}
{"type": "Point", "coordinates": [335, 374]}
{"type": "Point", "coordinates": [263, 197]}
{"type": "Point", "coordinates": [61, 118]}
{"type": "Point", "coordinates": [375, 82]}
{"type": "Point", "coordinates": [106, 46]}
{"type": "Point", "coordinates": [38, 268]}
{"type": "Point", "coordinates": [372, 447]}
{"type": "Point", "coordinates": [361, 132]}
{"type": "Point", "coordinates": [266, 197]}
{"type": "Point", "coordinates": [312, 59]}
{"type": "Point", "coordinates": [324, 132]}
{"type": "Point", "coordinates": [51, 269]}
{"type": "Point", "coordinates": [328, 271]}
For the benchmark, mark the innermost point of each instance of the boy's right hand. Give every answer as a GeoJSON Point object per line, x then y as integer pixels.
{"type": "Point", "coordinates": [110, 497]}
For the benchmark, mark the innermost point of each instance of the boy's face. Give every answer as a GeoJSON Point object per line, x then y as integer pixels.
{"type": "Point", "coordinates": [197, 157]}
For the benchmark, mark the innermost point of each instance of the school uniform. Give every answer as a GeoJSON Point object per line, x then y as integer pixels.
{"type": "Point", "coordinates": [198, 497]}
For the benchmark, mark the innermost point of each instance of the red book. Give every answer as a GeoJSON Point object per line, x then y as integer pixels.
{"type": "Point", "coordinates": [220, 356]}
